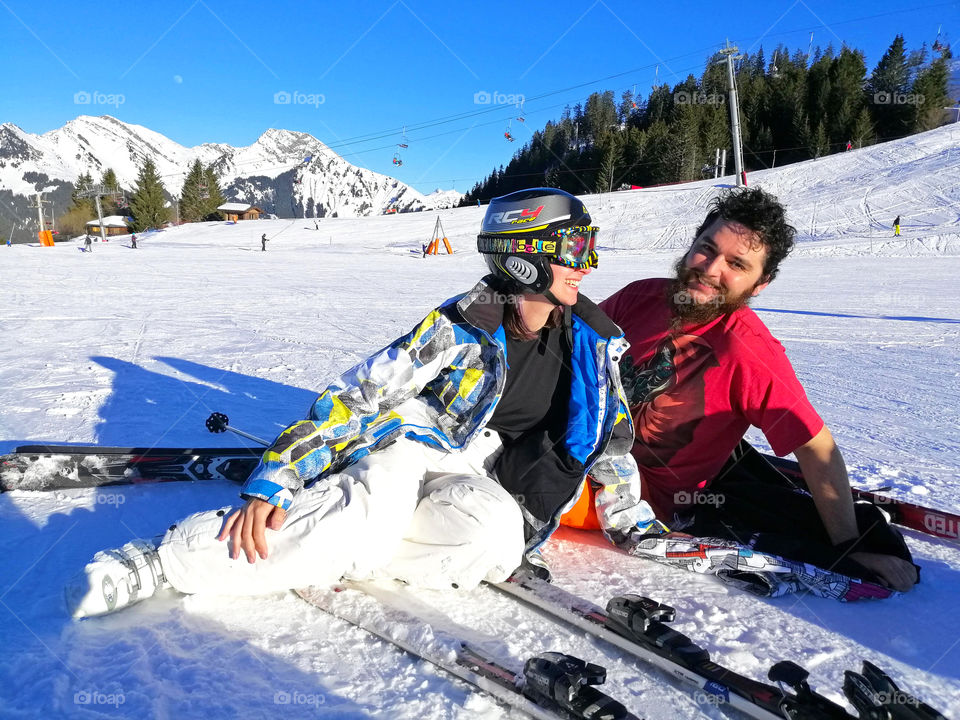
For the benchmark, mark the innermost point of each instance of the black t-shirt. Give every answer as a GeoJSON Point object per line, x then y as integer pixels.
{"type": "Point", "coordinates": [535, 368]}
{"type": "Point", "coordinates": [532, 421]}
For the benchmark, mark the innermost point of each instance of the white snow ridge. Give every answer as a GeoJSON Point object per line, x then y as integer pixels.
{"type": "Point", "coordinates": [128, 347]}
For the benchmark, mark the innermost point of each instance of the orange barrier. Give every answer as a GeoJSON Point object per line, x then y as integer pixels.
{"type": "Point", "coordinates": [46, 238]}
{"type": "Point", "coordinates": [438, 234]}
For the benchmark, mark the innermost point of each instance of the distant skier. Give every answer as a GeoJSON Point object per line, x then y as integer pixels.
{"type": "Point", "coordinates": [263, 242]}
{"type": "Point", "coordinates": [316, 224]}
{"type": "Point", "coordinates": [896, 227]}
{"type": "Point", "coordinates": [849, 144]}
{"type": "Point", "coordinates": [432, 461]}
{"type": "Point", "coordinates": [133, 241]}
{"type": "Point", "coordinates": [87, 243]}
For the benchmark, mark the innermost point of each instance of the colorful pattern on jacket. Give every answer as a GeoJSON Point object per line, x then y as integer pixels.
{"type": "Point", "coordinates": [439, 384]}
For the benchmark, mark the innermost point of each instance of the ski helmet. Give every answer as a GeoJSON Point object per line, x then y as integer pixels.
{"type": "Point", "coordinates": [524, 232]}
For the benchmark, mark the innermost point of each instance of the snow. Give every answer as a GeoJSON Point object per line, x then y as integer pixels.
{"type": "Point", "coordinates": [122, 347]}
{"type": "Point", "coordinates": [235, 207]}
{"type": "Point", "coordinates": [111, 221]}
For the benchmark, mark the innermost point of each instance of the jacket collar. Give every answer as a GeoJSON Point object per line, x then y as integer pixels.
{"type": "Point", "coordinates": [483, 307]}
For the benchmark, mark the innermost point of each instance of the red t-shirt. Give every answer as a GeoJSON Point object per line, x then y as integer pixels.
{"type": "Point", "coordinates": [693, 393]}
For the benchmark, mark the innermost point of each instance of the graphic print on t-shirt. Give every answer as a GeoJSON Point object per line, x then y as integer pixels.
{"type": "Point", "coordinates": [666, 396]}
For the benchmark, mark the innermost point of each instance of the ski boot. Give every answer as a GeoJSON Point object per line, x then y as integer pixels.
{"type": "Point", "coordinates": [115, 579]}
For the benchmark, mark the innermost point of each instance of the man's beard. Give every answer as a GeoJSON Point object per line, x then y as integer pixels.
{"type": "Point", "coordinates": [687, 311]}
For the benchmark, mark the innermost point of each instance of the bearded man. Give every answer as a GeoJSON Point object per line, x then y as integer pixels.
{"type": "Point", "coordinates": [702, 368]}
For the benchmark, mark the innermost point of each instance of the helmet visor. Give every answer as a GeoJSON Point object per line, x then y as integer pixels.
{"type": "Point", "coordinates": [576, 247]}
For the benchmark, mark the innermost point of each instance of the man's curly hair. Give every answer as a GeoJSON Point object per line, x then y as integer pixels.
{"type": "Point", "coordinates": [762, 213]}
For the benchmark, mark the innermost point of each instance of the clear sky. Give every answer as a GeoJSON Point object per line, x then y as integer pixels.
{"type": "Point", "coordinates": [216, 71]}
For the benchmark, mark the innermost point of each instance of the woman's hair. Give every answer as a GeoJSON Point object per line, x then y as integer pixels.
{"type": "Point", "coordinates": [513, 323]}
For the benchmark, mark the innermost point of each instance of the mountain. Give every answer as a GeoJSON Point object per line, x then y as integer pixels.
{"type": "Point", "coordinates": [442, 199]}
{"type": "Point", "coordinates": [290, 174]}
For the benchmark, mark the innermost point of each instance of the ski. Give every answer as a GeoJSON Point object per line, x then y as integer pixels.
{"type": "Point", "coordinates": [640, 627]}
{"type": "Point", "coordinates": [55, 467]}
{"type": "Point", "coordinates": [550, 685]}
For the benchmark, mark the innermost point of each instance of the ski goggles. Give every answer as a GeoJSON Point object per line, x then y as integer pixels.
{"type": "Point", "coordinates": [573, 247]}
{"type": "Point", "coordinates": [576, 247]}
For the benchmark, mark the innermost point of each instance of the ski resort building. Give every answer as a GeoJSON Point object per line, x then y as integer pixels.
{"type": "Point", "coordinates": [240, 211]}
{"type": "Point", "coordinates": [112, 225]}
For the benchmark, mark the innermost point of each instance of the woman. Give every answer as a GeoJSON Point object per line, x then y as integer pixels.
{"type": "Point", "coordinates": [444, 459]}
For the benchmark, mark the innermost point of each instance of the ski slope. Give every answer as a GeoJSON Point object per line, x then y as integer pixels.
{"type": "Point", "coordinates": [124, 347]}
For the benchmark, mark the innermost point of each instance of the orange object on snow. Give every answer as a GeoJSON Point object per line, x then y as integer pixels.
{"type": "Point", "coordinates": [583, 515]}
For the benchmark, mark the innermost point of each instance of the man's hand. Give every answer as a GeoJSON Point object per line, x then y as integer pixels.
{"type": "Point", "coordinates": [247, 526]}
{"type": "Point", "coordinates": [895, 572]}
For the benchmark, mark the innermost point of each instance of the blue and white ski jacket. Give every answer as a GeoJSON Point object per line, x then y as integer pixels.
{"type": "Point", "coordinates": [440, 384]}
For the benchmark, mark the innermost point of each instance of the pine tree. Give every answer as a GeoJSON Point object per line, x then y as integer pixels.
{"type": "Point", "coordinates": [77, 202]}
{"type": "Point", "coordinates": [216, 198]}
{"type": "Point", "coordinates": [147, 206]}
{"type": "Point", "coordinates": [862, 133]}
{"type": "Point", "coordinates": [73, 221]}
{"type": "Point", "coordinates": [819, 146]}
{"type": "Point", "coordinates": [109, 182]}
{"type": "Point", "coordinates": [610, 157]}
{"type": "Point", "coordinates": [847, 77]}
{"type": "Point", "coordinates": [929, 96]}
{"type": "Point", "coordinates": [194, 195]}
{"type": "Point", "coordinates": [889, 82]}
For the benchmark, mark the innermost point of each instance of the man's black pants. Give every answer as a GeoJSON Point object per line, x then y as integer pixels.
{"type": "Point", "coordinates": [752, 502]}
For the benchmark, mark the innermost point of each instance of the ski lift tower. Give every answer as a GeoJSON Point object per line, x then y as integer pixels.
{"type": "Point", "coordinates": [96, 192]}
{"type": "Point", "coordinates": [45, 236]}
{"type": "Point", "coordinates": [730, 51]}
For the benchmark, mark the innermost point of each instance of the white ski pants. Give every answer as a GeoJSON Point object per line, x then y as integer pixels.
{"type": "Point", "coordinates": [428, 517]}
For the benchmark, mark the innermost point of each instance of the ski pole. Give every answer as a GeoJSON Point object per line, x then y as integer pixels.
{"type": "Point", "coordinates": [218, 423]}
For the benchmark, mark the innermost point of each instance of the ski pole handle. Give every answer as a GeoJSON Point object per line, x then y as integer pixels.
{"type": "Point", "coordinates": [218, 423]}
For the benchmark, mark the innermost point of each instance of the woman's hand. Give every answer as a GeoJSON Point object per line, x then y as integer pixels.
{"type": "Point", "coordinates": [247, 526]}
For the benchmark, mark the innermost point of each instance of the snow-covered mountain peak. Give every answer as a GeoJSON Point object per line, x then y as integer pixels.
{"type": "Point", "coordinates": [271, 172]}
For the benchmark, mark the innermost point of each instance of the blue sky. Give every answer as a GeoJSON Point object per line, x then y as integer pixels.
{"type": "Point", "coordinates": [211, 71]}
